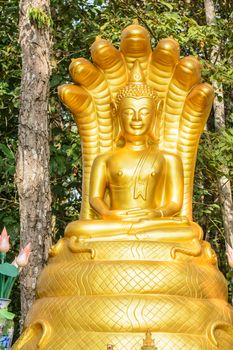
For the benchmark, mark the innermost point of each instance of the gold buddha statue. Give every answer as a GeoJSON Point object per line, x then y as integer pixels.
{"type": "Point", "coordinates": [133, 174]}
{"type": "Point", "coordinates": [134, 260]}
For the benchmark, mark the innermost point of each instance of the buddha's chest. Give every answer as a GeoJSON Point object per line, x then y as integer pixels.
{"type": "Point", "coordinates": [126, 171]}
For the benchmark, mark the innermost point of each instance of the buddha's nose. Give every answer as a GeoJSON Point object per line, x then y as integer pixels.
{"type": "Point", "coordinates": [137, 116]}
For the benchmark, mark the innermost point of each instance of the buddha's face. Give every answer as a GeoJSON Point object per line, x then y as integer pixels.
{"type": "Point", "coordinates": [136, 115]}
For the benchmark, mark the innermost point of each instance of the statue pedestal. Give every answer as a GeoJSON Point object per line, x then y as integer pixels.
{"type": "Point", "coordinates": [99, 293]}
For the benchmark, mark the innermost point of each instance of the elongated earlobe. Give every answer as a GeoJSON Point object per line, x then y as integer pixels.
{"type": "Point", "coordinates": [154, 133]}
{"type": "Point", "coordinates": [117, 132]}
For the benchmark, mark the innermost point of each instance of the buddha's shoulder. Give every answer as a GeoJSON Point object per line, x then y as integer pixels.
{"type": "Point", "coordinates": [104, 157]}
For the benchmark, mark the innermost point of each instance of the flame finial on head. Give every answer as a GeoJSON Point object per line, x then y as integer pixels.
{"type": "Point", "coordinates": [136, 74]}
{"type": "Point", "coordinates": [136, 86]}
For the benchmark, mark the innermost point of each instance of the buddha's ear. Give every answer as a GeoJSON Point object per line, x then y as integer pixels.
{"type": "Point", "coordinates": [154, 133]}
{"type": "Point", "coordinates": [117, 132]}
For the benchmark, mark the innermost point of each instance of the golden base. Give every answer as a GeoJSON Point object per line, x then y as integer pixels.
{"type": "Point", "coordinates": [99, 293]}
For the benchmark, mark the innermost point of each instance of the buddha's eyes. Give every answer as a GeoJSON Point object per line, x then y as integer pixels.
{"type": "Point", "coordinates": [128, 112]}
{"type": "Point", "coordinates": [131, 113]}
{"type": "Point", "coordinates": [144, 112]}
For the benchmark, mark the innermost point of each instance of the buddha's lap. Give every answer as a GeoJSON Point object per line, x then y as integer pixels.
{"type": "Point", "coordinates": [175, 228]}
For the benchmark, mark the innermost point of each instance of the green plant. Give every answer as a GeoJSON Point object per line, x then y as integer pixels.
{"type": "Point", "coordinates": [40, 17]}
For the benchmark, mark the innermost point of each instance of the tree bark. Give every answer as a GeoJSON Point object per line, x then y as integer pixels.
{"type": "Point", "coordinates": [224, 185]}
{"type": "Point", "coordinates": [32, 170]}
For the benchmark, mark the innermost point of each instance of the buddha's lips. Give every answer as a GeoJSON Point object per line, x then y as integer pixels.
{"type": "Point", "coordinates": [136, 125]}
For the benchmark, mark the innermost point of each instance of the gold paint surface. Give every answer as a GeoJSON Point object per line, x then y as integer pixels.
{"type": "Point", "coordinates": [134, 262]}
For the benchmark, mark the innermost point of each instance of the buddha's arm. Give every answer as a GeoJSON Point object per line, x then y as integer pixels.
{"type": "Point", "coordinates": [98, 185]}
{"type": "Point", "coordinates": [174, 186]}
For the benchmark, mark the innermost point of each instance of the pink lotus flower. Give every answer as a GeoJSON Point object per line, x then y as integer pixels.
{"type": "Point", "coordinates": [22, 259]}
{"type": "Point", "coordinates": [229, 252]}
{"type": "Point", "coordinates": [4, 241]}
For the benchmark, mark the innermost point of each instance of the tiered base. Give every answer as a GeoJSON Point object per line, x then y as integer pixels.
{"type": "Point", "coordinates": [98, 293]}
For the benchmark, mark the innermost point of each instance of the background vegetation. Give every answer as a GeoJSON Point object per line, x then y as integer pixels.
{"type": "Point", "coordinates": [74, 26]}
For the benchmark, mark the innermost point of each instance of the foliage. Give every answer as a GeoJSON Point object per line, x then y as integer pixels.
{"type": "Point", "coordinates": [9, 91]}
{"type": "Point", "coordinates": [215, 152]}
{"type": "Point", "coordinates": [66, 175]}
{"type": "Point", "coordinates": [38, 16]}
{"type": "Point", "coordinates": [10, 68]}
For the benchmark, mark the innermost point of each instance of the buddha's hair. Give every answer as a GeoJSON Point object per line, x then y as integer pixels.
{"type": "Point", "coordinates": [135, 90]}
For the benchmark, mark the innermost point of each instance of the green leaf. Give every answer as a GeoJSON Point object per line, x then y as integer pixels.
{"type": "Point", "coordinates": [7, 152]}
{"type": "Point", "coordinates": [7, 269]}
{"type": "Point", "coordinates": [6, 314]}
{"type": "Point", "coordinates": [55, 81]}
{"type": "Point", "coordinates": [230, 274]}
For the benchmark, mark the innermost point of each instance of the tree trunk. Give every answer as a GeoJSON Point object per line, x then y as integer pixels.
{"type": "Point", "coordinates": [224, 184]}
{"type": "Point", "coordinates": [32, 171]}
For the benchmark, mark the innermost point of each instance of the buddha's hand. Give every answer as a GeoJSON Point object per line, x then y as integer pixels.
{"type": "Point", "coordinates": [132, 215]}
{"type": "Point", "coordinates": [139, 214]}
{"type": "Point", "coordinates": [114, 214]}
